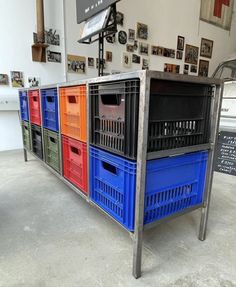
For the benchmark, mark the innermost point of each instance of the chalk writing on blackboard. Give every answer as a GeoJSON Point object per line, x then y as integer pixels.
{"type": "Point", "coordinates": [226, 153]}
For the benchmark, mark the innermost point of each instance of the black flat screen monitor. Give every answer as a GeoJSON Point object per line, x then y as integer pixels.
{"type": "Point", "coordinates": [88, 8]}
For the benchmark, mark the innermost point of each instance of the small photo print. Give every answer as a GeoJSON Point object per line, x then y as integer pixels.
{"type": "Point", "coordinates": [154, 50]}
{"type": "Point", "coordinates": [171, 68]}
{"type": "Point", "coordinates": [33, 82]}
{"type": "Point", "coordinates": [52, 37]}
{"type": "Point", "coordinates": [126, 60]}
{"type": "Point", "coordinates": [203, 68]}
{"type": "Point", "coordinates": [180, 43]}
{"type": "Point", "coordinates": [191, 54]}
{"type": "Point", "coordinates": [193, 68]}
{"type": "Point", "coordinates": [119, 18]}
{"type": "Point", "coordinates": [143, 48]}
{"type": "Point", "coordinates": [4, 80]}
{"type": "Point", "coordinates": [17, 79]}
{"type": "Point", "coordinates": [136, 59]}
{"type": "Point", "coordinates": [186, 69]}
{"type": "Point", "coordinates": [145, 64]}
{"type": "Point", "coordinates": [170, 53]}
{"type": "Point", "coordinates": [206, 48]}
{"type": "Point", "coordinates": [131, 35]}
{"type": "Point", "coordinates": [129, 48]}
{"type": "Point", "coordinates": [135, 45]}
{"type": "Point", "coordinates": [90, 62]}
{"type": "Point", "coordinates": [76, 64]}
{"type": "Point", "coordinates": [108, 56]}
{"type": "Point", "coordinates": [53, 57]}
{"type": "Point", "coordinates": [142, 31]}
{"type": "Point", "coordinates": [179, 55]}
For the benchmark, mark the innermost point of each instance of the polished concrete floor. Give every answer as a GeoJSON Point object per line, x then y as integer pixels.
{"type": "Point", "coordinates": [49, 236]}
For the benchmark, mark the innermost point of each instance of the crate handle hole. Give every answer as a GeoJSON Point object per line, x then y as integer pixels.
{"type": "Point", "coordinates": [52, 140]}
{"type": "Point", "coordinates": [111, 99]}
{"type": "Point", "coordinates": [72, 99]}
{"type": "Point", "coordinates": [109, 167]}
{"type": "Point", "coordinates": [35, 99]}
{"type": "Point", "coordinates": [50, 99]}
{"type": "Point", "coordinates": [75, 150]}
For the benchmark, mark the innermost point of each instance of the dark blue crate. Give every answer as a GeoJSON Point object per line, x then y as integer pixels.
{"type": "Point", "coordinates": [50, 109]}
{"type": "Point", "coordinates": [172, 185]}
{"type": "Point", "coordinates": [24, 108]}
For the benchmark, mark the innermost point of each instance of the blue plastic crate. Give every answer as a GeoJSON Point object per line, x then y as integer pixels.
{"type": "Point", "coordinates": [172, 185]}
{"type": "Point", "coordinates": [24, 108]}
{"type": "Point", "coordinates": [50, 109]}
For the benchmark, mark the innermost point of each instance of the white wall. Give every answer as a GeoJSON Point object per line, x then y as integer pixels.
{"type": "Point", "coordinates": [166, 20]}
{"type": "Point", "coordinates": [18, 22]}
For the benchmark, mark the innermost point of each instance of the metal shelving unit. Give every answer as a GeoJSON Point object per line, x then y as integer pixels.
{"type": "Point", "coordinates": [142, 155]}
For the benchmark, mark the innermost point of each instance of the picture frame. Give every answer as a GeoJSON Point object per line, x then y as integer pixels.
{"type": "Point", "coordinates": [76, 64]}
{"type": "Point", "coordinates": [193, 69]}
{"type": "Point", "coordinates": [108, 56]}
{"type": "Point", "coordinates": [186, 69]}
{"type": "Point", "coordinates": [130, 48]}
{"type": "Point", "coordinates": [142, 31]}
{"type": "Point", "coordinates": [91, 62]}
{"type": "Point", "coordinates": [179, 55]}
{"type": "Point", "coordinates": [180, 43]}
{"type": "Point", "coordinates": [136, 59]}
{"type": "Point", "coordinates": [191, 54]}
{"type": "Point", "coordinates": [4, 80]}
{"type": "Point", "coordinates": [206, 48]}
{"type": "Point", "coordinates": [171, 68]}
{"type": "Point", "coordinates": [169, 53]}
{"type": "Point", "coordinates": [131, 35]}
{"type": "Point", "coordinates": [143, 48]}
{"type": "Point", "coordinates": [120, 18]}
{"type": "Point", "coordinates": [145, 64]}
{"type": "Point", "coordinates": [126, 60]}
{"type": "Point", "coordinates": [203, 68]}
{"type": "Point", "coordinates": [17, 79]}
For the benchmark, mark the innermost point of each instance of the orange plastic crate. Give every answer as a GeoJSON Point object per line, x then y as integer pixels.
{"type": "Point", "coordinates": [73, 112]}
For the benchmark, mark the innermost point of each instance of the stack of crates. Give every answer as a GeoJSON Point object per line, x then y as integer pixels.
{"type": "Point", "coordinates": [73, 114]}
{"type": "Point", "coordinates": [49, 98]}
{"type": "Point", "coordinates": [35, 119]}
{"type": "Point", "coordinates": [24, 112]}
{"type": "Point", "coordinates": [179, 117]}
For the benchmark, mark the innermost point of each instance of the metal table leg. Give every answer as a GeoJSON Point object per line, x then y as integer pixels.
{"type": "Point", "coordinates": [25, 155]}
{"type": "Point", "coordinates": [141, 173]}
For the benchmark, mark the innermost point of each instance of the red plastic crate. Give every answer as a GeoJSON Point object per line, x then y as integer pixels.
{"type": "Point", "coordinates": [35, 107]}
{"type": "Point", "coordinates": [75, 162]}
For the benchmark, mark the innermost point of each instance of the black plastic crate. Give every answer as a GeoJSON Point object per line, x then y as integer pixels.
{"type": "Point", "coordinates": [115, 116]}
{"type": "Point", "coordinates": [37, 144]}
{"type": "Point", "coordinates": [179, 115]}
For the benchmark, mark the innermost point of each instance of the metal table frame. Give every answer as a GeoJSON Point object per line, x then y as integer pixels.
{"type": "Point", "coordinates": [142, 156]}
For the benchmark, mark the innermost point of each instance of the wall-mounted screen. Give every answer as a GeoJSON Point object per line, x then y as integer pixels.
{"type": "Point", "coordinates": [88, 8]}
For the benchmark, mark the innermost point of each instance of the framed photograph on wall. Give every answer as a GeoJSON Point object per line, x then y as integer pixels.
{"type": "Point", "coordinates": [191, 54]}
{"type": "Point", "coordinates": [4, 80]}
{"type": "Point", "coordinates": [76, 64]}
{"type": "Point", "coordinates": [91, 62]}
{"type": "Point", "coordinates": [17, 79]}
{"type": "Point", "coordinates": [131, 34]}
{"type": "Point", "coordinates": [142, 31]}
{"type": "Point", "coordinates": [179, 55]}
{"type": "Point", "coordinates": [143, 48]}
{"type": "Point", "coordinates": [206, 48]}
{"type": "Point", "coordinates": [108, 56]}
{"type": "Point", "coordinates": [126, 60]}
{"type": "Point", "coordinates": [136, 59]}
{"type": "Point", "coordinates": [180, 43]}
{"type": "Point", "coordinates": [203, 68]}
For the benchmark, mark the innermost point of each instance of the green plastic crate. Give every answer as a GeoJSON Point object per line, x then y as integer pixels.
{"type": "Point", "coordinates": [26, 135]}
{"type": "Point", "coordinates": [52, 149]}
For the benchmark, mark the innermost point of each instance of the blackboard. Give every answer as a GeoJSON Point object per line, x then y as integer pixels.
{"type": "Point", "coordinates": [226, 153]}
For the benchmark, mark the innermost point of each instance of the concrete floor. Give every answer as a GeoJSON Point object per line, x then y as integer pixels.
{"type": "Point", "coordinates": [49, 236]}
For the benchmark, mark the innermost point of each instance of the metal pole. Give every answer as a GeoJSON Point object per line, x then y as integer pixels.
{"type": "Point", "coordinates": [25, 155]}
{"type": "Point", "coordinates": [215, 118]}
{"type": "Point", "coordinates": [141, 172]}
{"type": "Point", "coordinates": [100, 54]}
